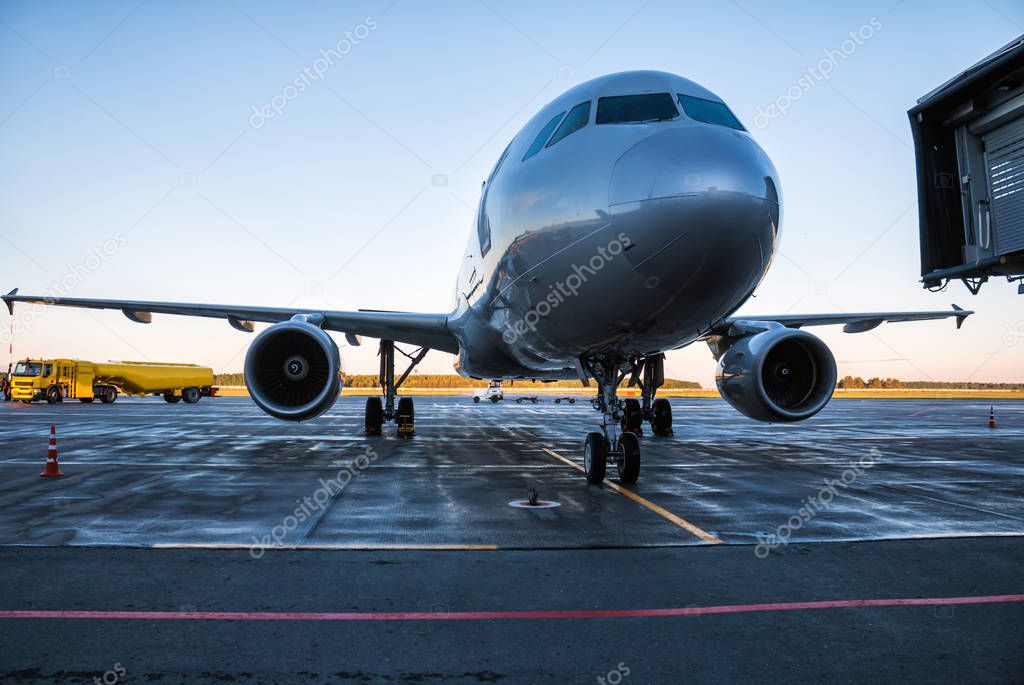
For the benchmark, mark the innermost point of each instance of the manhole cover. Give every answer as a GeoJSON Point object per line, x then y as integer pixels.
{"type": "Point", "coordinates": [541, 504]}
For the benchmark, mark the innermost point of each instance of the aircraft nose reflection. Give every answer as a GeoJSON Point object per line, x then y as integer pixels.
{"type": "Point", "coordinates": [692, 159]}
{"type": "Point", "coordinates": [701, 205]}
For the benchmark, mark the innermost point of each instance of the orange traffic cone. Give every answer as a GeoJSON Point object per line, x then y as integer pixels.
{"type": "Point", "coordinates": [52, 469]}
{"type": "Point", "coordinates": [991, 417]}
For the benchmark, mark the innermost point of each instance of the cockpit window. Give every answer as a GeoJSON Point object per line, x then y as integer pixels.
{"type": "Point", "coordinates": [27, 369]}
{"type": "Point", "coordinates": [577, 119]}
{"type": "Point", "coordinates": [709, 111]}
{"type": "Point", "coordinates": [538, 143]}
{"type": "Point", "coordinates": [636, 109]}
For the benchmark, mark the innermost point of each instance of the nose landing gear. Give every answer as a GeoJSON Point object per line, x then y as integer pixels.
{"type": "Point", "coordinates": [618, 441]}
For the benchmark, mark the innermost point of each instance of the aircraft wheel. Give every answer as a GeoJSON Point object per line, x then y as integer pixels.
{"type": "Point", "coordinates": [661, 422]}
{"type": "Point", "coordinates": [53, 395]}
{"type": "Point", "coordinates": [405, 417]}
{"type": "Point", "coordinates": [476, 400]}
{"type": "Point", "coordinates": [374, 415]}
{"type": "Point", "coordinates": [629, 460]}
{"type": "Point", "coordinates": [595, 457]}
{"type": "Point", "coordinates": [632, 417]}
{"type": "Point", "coordinates": [190, 395]}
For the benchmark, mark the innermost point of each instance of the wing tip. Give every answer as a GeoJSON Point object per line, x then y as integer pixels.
{"type": "Point", "coordinates": [8, 300]}
{"type": "Point", "coordinates": [961, 315]}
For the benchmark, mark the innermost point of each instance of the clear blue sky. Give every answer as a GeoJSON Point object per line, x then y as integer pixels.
{"type": "Point", "coordinates": [133, 123]}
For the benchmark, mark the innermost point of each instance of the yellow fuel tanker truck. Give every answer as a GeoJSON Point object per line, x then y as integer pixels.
{"type": "Point", "coordinates": [55, 380]}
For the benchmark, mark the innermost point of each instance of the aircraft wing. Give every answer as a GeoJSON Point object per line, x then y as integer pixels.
{"type": "Point", "coordinates": [426, 330]}
{"type": "Point", "coordinates": [853, 323]}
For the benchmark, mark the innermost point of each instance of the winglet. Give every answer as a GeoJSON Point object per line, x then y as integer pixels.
{"type": "Point", "coordinates": [963, 314]}
{"type": "Point", "coordinates": [8, 302]}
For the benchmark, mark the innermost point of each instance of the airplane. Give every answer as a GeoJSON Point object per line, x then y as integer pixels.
{"type": "Point", "coordinates": [632, 215]}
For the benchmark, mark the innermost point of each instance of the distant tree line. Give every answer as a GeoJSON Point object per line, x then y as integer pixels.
{"type": "Point", "coordinates": [856, 382]}
{"type": "Point", "coordinates": [448, 380]}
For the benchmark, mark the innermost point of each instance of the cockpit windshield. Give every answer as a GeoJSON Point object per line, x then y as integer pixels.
{"type": "Point", "coordinates": [709, 111]}
{"type": "Point", "coordinates": [27, 369]}
{"type": "Point", "coordinates": [636, 109]}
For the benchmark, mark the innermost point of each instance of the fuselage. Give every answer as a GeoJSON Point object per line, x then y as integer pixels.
{"type": "Point", "coordinates": [626, 226]}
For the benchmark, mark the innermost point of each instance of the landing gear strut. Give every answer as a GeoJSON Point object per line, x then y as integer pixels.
{"type": "Point", "coordinates": [378, 412]}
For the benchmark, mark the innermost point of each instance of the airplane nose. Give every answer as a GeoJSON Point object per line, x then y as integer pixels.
{"type": "Point", "coordinates": [700, 206]}
{"type": "Point", "coordinates": [691, 160]}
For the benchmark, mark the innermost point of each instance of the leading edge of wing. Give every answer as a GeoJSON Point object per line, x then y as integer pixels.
{"type": "Point", "coordinates": [858, 322]}
{"type": "Point", "coordinates": [426, 330]}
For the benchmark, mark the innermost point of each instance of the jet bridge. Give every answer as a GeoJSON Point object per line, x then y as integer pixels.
{"type": "Point", "coordinates": [969, 147]}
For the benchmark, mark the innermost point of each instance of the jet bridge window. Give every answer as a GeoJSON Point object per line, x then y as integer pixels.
{"type": "Point", "coordinates": [709, 111]}
{"type": "Point", "coordinates": [636, 109]}
{"type": "Point", "coordinates": [577, 119]}
{"type": "Point", "coordinates": [538, 143]}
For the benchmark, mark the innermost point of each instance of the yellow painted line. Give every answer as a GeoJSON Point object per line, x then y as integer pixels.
{"type": "Point", "coordinates": [642, 501]}
{"type": "Point", "coordinates": [382, 548]}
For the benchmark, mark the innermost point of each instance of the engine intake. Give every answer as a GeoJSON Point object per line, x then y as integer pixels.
{"type": "Point", "coordinates": [782, 374]}
{"type": "Point", "coordinates": [293, 371]}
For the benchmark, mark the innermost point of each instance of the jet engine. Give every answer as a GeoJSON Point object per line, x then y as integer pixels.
{"type": "Point", "coordinates": [293, 370]}
{"type": "Point", "coordinates": [782, 374]}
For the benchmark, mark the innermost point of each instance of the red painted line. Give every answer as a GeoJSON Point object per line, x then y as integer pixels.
{"type": "Point", "coordinates": [505, 615]}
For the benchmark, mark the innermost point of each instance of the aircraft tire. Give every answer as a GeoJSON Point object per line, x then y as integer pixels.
{"type": "Point", "coordinates": [661, 421]}
{"type": "Point", "coordinates": [595, 457]}
{"type": "Point", "coordinates": [374, 416]}
{"type": "Point", "coordinates": [632, 417]}
{"type": "Point", "coordinates": [629, 461]}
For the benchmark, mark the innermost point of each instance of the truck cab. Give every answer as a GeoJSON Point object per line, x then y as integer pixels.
{"type": "Point", "coordinates": [51, 380]}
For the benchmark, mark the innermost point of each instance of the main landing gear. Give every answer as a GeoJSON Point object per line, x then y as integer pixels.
{"type": "Point", "coordinates": [377, 412]}
{"type": "Point", "coordinates": [649, 374]}
{"type": "Point", "coordinates": [618, 441]}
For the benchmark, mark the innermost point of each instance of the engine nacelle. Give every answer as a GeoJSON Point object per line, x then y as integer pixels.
{"type": "Point", "coordinates": [293, 371]}
{"type": "Point", "coordinates": [782, 374]}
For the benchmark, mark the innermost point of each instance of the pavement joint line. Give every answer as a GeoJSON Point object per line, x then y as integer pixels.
{"type": "Point", "coordinates": [508, 615]}
{"type": "Point", "coordinates": [339, 547]}
{"type": "Point", "coordinates": [643, 501]}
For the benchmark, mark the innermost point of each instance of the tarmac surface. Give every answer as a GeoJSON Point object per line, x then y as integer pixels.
{"type": "Point", "coordinates": [212, 543]}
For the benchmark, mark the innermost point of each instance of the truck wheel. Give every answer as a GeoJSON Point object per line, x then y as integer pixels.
{"type": "Point", "coordinates": [190, 395]}
{"type": "Point", "coordinates": [53, 395]}
{"type": "Point", "coordinates": [109, 395]}
{"type": "Point", "coordinates": [85, 400]}
{"type": "Point", "coordinates": [171, 398]}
